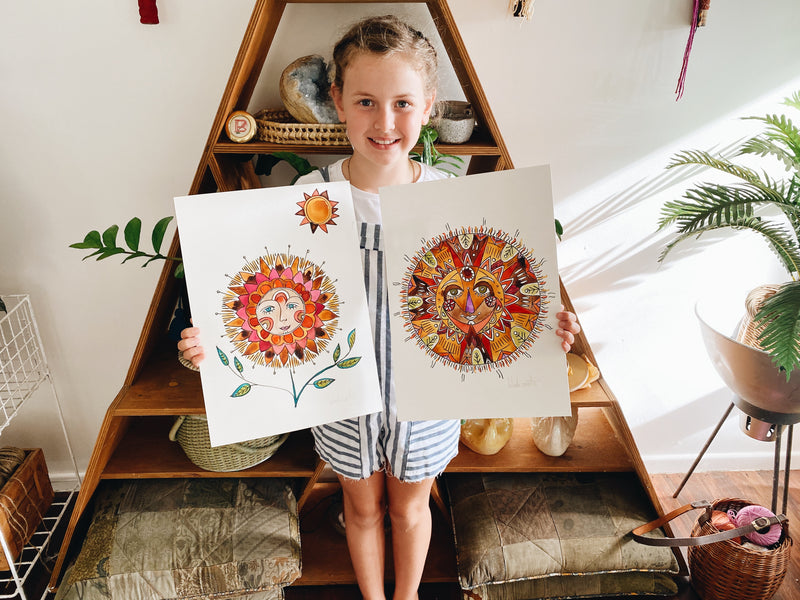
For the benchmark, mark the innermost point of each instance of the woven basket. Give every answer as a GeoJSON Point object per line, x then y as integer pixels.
{"type": "Point", "coordinates": [279, 127]}
{"type": "Point", "coordinates": [24, 500]}
{"type": "Point", "coordinates": [191, 432]}
{"type": "Point", "coordinates": [748, 332]}
{"type": "Point", "coordinates": [729, 571]}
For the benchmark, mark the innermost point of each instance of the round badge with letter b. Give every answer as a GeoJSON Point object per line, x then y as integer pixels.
{"type": "Point", "coordinates": [240, 127]}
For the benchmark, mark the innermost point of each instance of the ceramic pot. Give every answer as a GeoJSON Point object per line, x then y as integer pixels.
{"type": "Point", "coordinates": [453, 121]}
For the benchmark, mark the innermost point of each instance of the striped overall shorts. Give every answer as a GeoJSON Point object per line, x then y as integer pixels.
{"type": "Point", "coordinates": [408, 450]}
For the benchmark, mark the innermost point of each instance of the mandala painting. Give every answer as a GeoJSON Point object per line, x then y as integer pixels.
{"type": "Point", "coordinates": [474, 299]}
{"type": "Point", "coordinates": [280, 310]}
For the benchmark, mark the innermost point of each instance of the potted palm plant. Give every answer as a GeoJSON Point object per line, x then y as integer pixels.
{"type": "Point", "coordinates": [740, 205]}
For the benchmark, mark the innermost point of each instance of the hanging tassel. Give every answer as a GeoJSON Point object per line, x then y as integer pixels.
{"type": "Point", "coordinates": [148, 12]}
{"type": "Point", "coordinates": [695, 22]}
{"type": "Point", "coordinates": [521, 8]}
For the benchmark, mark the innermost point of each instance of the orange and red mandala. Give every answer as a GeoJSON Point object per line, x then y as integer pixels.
{"type": "Point", "coordinates": [280, 310]}
{"type": "Point", "coordinates": [474, 299]}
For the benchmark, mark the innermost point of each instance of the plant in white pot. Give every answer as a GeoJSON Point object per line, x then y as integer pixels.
{"type": "Point", "coordinates": [744, 205]}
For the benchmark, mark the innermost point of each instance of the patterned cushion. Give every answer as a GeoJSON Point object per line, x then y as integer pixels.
{"type": "Point", "coordinates": [556, 535]}
{"type": "Point", "coordinates": [188, 539]}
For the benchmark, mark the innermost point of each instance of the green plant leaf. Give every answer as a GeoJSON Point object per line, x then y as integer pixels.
{"type": "Point", "coordinates": [152, 258]}
{"type": "Point", "coordinates": [323, 383]}
{"type": "Point", "coordinates": [109, 252]}
{"type": "Point", "coordinates": [780, 318]}
{"type": "Point", "coordinates": [92, 240]}
{"type": "Point", "coordinates": [110, 236]}
{"type": "Point", "coordinates": [134, 255]}
{"type": "Point", "coordinates": [158, 233]}
{"type": "Point", "coordinates": [559, 229]}
{"type": "Point", "coordinates": [179, 273]}
{"type": "Point", "coordinates": [265, 163]}
{"type": "Point", "coordinates": [297, 162]}
{"type": "Point", "coordinates": [337, 352]}
{"type": "Point", "coordinates": [237, 363]}
{"type": "Point", "coordinates": [351, 339]}
{"type": "Point", "coordinates": [241, 390]}
{"type": "Point", "coordinates": [223, 357]}
{"type": "Point", "coordinates": [132, 232]}
{"type": "Point", "coordinates": [349, 363]}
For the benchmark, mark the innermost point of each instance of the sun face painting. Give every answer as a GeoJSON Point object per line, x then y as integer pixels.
{"type": "Point", "coordinates": [280, 310]}
{"type": "Point", "coordinates": [474, 299]}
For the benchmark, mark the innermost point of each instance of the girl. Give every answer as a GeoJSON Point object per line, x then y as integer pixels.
{"type": "Point", "coordinates": [384, 89]}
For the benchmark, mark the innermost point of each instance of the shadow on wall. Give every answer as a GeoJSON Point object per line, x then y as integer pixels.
{"type": "Point", "coordinates": [626, 199]}
{"type": "Point", "coordinates": [628, 263]}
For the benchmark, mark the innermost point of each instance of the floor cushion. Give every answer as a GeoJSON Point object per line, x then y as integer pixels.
{"type": "Point", "coordinates": [188, 539]}
{"type": "Point", "coordinates": [554, 535]}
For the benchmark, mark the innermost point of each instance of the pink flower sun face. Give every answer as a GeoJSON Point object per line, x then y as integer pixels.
{"type": "Point", "coordinates": [280, 310]}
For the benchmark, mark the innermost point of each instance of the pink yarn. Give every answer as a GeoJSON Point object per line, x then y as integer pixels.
{"type": "Point", "coordinates": [748, 514]}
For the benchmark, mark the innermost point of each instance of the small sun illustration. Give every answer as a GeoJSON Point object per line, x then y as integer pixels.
{"type": "Point", "coordinates": [280, 310]}
{"type": "Point", "coordinates": [318, 210]}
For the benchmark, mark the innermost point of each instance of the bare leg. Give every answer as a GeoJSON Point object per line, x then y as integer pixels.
{"type": "Point", "coordinates": [411, 533]}
{"type": "Point", "coordinates": [364, 509]}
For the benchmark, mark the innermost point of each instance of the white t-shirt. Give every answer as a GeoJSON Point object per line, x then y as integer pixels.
{"type": "Point", "coordinates": [367, 206]}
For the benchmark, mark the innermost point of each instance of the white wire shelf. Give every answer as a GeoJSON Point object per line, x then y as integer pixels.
{"type": "Point", "coordinates": [37, 549]}
{"type": "Point", "coordinates": [22, 364]}
{"type": "Point", "coordinates": [23, 368]}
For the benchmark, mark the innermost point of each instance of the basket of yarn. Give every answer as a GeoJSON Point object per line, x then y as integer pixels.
{"type": "Point", "coordinates": [737, 550]}
{"type": "Point", "coordinates": [191, 432]}
{"type": "Point", "coordinates": [748, 567]}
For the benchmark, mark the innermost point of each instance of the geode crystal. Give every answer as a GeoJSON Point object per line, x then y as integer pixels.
{"type": "Point", "coordinates": [305, 91]}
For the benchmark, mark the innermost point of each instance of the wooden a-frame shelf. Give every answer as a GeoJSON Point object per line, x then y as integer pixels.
{"type": "Point", "coordinates": [133, 439]}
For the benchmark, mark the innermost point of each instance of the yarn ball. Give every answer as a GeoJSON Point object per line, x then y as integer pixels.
{"type": "Point", "coordinates": [748, 514]}
{"type": "Point", "coordinates": [723, 522]}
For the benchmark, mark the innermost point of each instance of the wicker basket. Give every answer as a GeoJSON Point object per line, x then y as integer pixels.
{"type": "Point", "coordinates": [191, 432]}
{"type": "Point", "coordinates": [278, 126]}
{"type": "Point", "coordinates": [729, 571]}
{"type": "Point", "coordinates": [748, 332]}
{"type": "Point", "coordinates": [24, 500]}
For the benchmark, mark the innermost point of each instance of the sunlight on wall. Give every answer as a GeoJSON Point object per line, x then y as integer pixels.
{"type": "Point", "coordinates": [663, 377]}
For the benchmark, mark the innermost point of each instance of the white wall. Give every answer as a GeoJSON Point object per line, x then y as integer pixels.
{"type": "Point", "coordinates": [104, 119]}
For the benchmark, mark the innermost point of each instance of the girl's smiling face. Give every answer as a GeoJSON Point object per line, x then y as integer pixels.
{"type": "Point", "coordinates": [384, 103]}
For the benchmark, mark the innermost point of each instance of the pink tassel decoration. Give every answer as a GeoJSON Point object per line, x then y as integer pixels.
{"type": "Point", "coordinates": [698, 20]}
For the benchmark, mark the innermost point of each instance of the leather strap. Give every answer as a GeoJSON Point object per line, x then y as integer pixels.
{"type": "Point", "coordinates": [758, 524]}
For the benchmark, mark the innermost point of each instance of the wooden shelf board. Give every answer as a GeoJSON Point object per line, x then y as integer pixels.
{"type": "Point", "coordinates": [145, 452]}
{"type": "Point", "coordinates": [474, 147]}
{"type": "Point", "coordinates": [326, 559]}
{"type": "Point", "coordinates": [595, 448]}
{"type": "Point", "coordinates": [594, 395]}
{"type": "Point", "coordinates": [164, 387]}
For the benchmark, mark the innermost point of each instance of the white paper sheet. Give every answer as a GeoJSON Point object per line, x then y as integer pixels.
{"type": "Point", "coordinates": [473, 295]}
{"type": "Point", "coordinates": [275, 285]}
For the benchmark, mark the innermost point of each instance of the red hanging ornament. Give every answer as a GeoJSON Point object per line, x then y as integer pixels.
{"type": "Point", "coordinates": [699, 15]}
{"type": "Point", "coordinates": [148, 12]}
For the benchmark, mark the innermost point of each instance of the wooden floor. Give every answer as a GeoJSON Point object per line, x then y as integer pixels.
{"type": "Point", "coordinates": [755, 486]}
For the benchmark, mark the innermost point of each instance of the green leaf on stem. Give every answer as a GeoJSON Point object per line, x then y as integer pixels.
{"type": "Point", "coordinates": [132, 232]}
